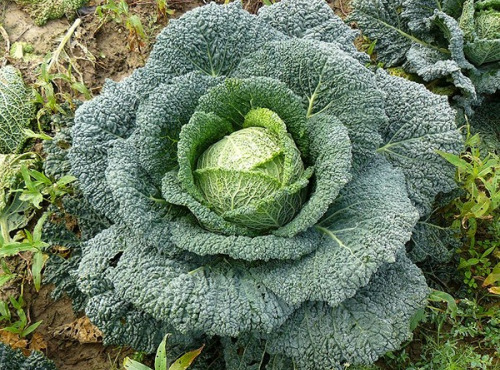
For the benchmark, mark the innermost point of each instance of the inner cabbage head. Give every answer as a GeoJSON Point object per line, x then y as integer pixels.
{"type": "Point", "coordinates": [249, 173]}
{"type": "Point", "coordinates": [488, 24]}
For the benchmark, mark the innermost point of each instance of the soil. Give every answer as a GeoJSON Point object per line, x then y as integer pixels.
{"type": "Point", "coordinates": [66, 352]}
{"type": "Point", "coordinates": [100, 49]}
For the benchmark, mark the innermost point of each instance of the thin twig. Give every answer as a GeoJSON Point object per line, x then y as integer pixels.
{"type": "Point", "coordinates": [342, 8]}
{"type": "Point", "coordinates": [64, 41]}
{"type": "Point", "coordinates": [22, 34]}
{"type": "Point", "coordinates": [5, 36]}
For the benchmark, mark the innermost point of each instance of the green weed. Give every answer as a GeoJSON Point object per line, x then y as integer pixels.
{"type": "Point", "coordinates": [454, 334]}
{"type": "Point", "coordinates": [21, 326]}
{"type": "Point", "coordinates": [38, 187]}
{"type": "Point", "coordinates": [120, 13]}
{"type": "Point", "coordinates": [163, 9]}
{"type": "Point", "coordinates": [161, 361]}
{"type": "Point", "coordinates": [479, 177]}
{"type": "Point", "coordinates": [476, 213]}
{"type": "Point", "coordinates": [58, 81]}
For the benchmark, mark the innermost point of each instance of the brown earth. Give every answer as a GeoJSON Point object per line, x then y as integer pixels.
{"type": "Point", "coordinates": [62, 348]}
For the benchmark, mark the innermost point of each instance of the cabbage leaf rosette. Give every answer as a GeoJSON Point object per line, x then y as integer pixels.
{"type": "Point", "coordinates": [261, 184]}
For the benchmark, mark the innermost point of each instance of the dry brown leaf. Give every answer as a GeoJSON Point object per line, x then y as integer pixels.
{"type": "Point", "coordinates": [37, 342]}
{"type": "Point", "coordinates": [81, 330]}
{"type": "Point", "coordinates": [12, 340]}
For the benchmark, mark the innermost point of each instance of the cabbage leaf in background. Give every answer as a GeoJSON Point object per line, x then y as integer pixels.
{"type": "Point", "coordinates": [456, 41]}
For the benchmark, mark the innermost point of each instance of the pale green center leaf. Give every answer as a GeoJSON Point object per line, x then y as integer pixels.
{"type": "Point", "coordinates": [248, 167]}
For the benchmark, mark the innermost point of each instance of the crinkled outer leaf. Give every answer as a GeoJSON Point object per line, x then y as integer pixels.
{"type": "Point", "coordinates": [358, 330]}
{"type": "Point", "coordinates": [16, 110]}
{"type": "Point", "coordinates": [331, 150]}
{"type": "Point", "coordinates": [57, 164]}
{"type": "Point", "coordinates": [118, 319]}
{"type": "Point", "coordinates": [324, 76]}
{"type": "Point", "coordinates": [487, 79]}
{"type": "Point", "coordinates": [416, 13]}
{"type": "Point", "coordinates": [211, 39]}
{"type": "Point", "coordinates": [216, 296]}
{"type": "Point", "coordinates": [123, 324]}
{"type": "Point", "coordinates": [295, 18]}
{"type": "Point", "coordinates": [248, 352]}
{"type": "Point", "coordinates": [98, 124]}
{"type": "Point", "coordinates": [381, 20]}
{"type": "Point", "coordinates": [431, 65]}
{"type": "Point", "coordinates": [98, 256]}
{"type": "Point", "coordinates": [177, 292]}
{"type": "Point", "coordinates": [61, 271]}
{"type": "Point", "coordinates": [432, 241]}
{"type": "Point", "coordinates": [371, 219]}
{"type": "Point", "coordinates": [419, 124]}
{"type": "Point", "coordinates": [160, 118]}
{"type": "Point", "coordinates": [311, 19]}
{"type": "Point", "coordinates": [450, 29]}
{"type": "Point", "coordinates": [138, 164]}
{"type": "Point", "coordinates": [14, 359]}
{"type": "Point", "coordinates": [264, 247]}
{"type": "Point", "coordinates": [486, 122]}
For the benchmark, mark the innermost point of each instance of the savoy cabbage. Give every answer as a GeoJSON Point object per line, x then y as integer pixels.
{"type": "Point", "coordinates": [43, 11]}
{"type": "Point", "coordinates": [454, 40]}
{"type": "Point", "coordinates": [261, 184]}
{"type": "Point", "coordinates": [15, 359]}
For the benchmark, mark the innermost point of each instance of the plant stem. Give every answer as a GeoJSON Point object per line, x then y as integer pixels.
{"type": "Point", "coordinates": [5, 36]}
{"type": "Point", "coordinates": [5, 230]}
{"type": "Point", "coordinates": [64, 41]}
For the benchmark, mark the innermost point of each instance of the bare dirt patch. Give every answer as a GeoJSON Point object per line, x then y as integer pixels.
{"type": "Point", "coordinates": [68, 353]}
{"type": "Point", "coordinates": [100, 47]}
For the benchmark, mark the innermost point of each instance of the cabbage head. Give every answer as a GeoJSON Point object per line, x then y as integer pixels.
{"type": "Point", "coordinates": [261, 184]}
{"type": "Point", "coordinates": [480, 22]}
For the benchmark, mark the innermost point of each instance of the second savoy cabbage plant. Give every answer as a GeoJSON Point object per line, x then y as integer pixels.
{"type": "Point", "coordinates": [261, 184]}
{"type": "Point", "coordinates": [457, 41]}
